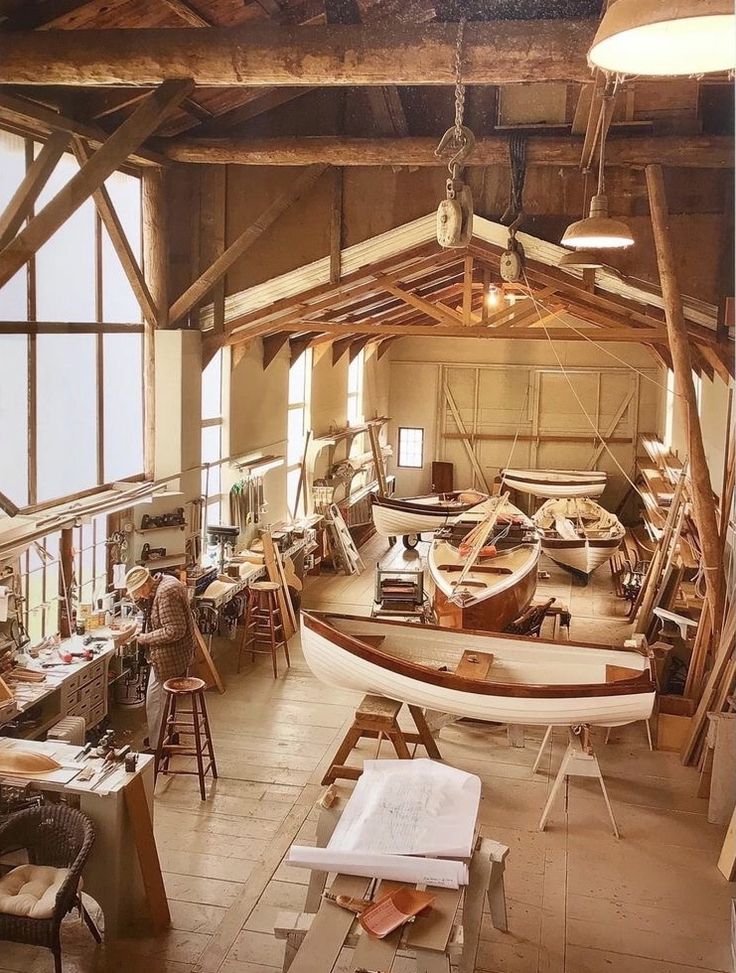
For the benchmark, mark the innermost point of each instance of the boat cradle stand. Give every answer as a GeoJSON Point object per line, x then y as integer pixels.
{"type": "Point", "coordinates": [315, 938]}
{"type": "Point", "coordinates": [579, 761]}
{"type": "Point", "coordinates": [376, 718]}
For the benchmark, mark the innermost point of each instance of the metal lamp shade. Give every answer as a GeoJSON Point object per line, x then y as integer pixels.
{"type": "Point", "coordinates": [661, 38]}
{"type": "Point", "coordinates": [598, 231]}
{"type": "Point", "coordinates": [581, 260]}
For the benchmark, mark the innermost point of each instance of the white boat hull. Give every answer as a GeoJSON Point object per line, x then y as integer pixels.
{"type": "Point", "coordinates": [555, 483]}
{"type": "Point", "coordinates": [583, 556]}
{"type": "Point", "coordinates": [333, 665]}
{"type": "Point", "coordinates": [398, 523]}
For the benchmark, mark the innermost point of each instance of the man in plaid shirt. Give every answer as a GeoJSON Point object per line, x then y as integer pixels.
{"type": "Point", "coordinates": [168, 636]}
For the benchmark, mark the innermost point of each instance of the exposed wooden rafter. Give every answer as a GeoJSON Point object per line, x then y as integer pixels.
{"type": "Point", "coordinates": [504, 52]}
{"type": "Point", "coordinates": [696, 151]}
{"type": "Point", "coordinates": [91, 176]}
{"type": "Point", "coordinates": [21, 204]}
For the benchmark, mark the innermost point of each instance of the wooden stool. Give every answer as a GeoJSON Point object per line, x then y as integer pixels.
{"type": "Point", "coordinates": [179, 722]}
{"type": "Point", "coordinates": [376, 717]}
{"type": "Point", "coordinates": [263, 624]}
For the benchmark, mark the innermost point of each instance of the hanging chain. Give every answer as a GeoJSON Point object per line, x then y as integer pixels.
{"type": "Point", "coordinates": [459, 86]}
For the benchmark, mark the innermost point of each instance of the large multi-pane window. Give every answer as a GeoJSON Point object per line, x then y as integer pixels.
{"type": "Point", "coordinates": [355, 390]}
{"type": "Point", "coordinates": [300, 383]}
{"type": "Point", "coordinates": [213, 420]}
{"type": "Point", "coordinates": [71, 404]}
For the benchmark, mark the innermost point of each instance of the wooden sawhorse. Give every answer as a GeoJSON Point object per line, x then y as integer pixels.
{"type": "Point", "coordinates": [377, 717]}
{"type": "Point", "coordinates": [315, 938]}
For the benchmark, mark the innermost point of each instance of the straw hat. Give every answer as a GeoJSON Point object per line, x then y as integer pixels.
{"type": "Point", "coordinates": [136, 578]}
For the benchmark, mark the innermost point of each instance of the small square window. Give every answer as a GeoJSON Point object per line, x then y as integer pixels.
{"type": "Point", "coordinates": [411, 447]}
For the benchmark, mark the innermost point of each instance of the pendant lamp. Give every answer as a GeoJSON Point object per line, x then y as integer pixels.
{"type": "Point", "coordinates": [581, 260]}
{"type": "Point", "coordinates": [664, 38]}
{"type": "Point", "coordinates": [599, 231]}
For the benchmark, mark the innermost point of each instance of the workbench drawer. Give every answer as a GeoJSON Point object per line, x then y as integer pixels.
{"type": "Point", "coordinates": [79, 709]}
{"type": "Point", "coordinates": [96, 714]}
{"type": "Point", "coordinates": [91, 672]}
{"type": "Point", "coordinates": [96, 691]}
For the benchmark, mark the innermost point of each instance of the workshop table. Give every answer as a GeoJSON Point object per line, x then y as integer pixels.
{"type": "Point", "coordinates": [112, 875]}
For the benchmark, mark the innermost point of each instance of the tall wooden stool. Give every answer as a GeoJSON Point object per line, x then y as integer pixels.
{"type": "Point", "coordinates": [377, 717]}
{"type": "Point", "coordinates": [264, 625]}
{"type": "Point", "coordinates": [178, 722]}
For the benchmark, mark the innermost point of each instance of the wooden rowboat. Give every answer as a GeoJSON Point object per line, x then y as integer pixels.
{"type": "Point", "coordinates": [555, 483]}
{"type": "Point", "coordinates": [579, 534]}
{"type": "Point", "coordinates": [471, 674]}
{"type": "Point", "coordinates": [489, 594]}
{"type": "Point", "coordinates": [401, 517]}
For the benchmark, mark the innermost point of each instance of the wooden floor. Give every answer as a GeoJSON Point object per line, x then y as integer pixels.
{"type": "Point", "coordinates": [580, 901]}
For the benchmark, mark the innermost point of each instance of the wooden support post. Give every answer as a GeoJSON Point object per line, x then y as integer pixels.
{"type": "Point", "coordinates": [336, 227]}
{"type": "Point", "coordinates": [219, 267]}
{"type": "Point", "coordinates": [66, 576]}
{"type": "Point", "coordinates": [21, 204]}
{"type": "Point", "coordinates": [468, 290]}
{"type": "Point", "coordinates": [155, 265]}
{"type": "Point", "coordinates": [702, 493]}
{"type": "Point", "coordinates": [212, 235]}
{"type": "Point", "coordinates": [134, 130]}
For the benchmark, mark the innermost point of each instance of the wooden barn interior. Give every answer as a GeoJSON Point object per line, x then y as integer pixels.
{"type": "Point", "coordinates": [367, 467]}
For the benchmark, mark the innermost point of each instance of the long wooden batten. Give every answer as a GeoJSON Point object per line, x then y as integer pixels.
{"type": "Point", "coordinates": [503, 52]}
{"type": "Point", "coordinates": [701, 152]}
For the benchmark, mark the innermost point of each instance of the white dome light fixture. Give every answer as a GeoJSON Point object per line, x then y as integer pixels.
{"type": "Point", "coordinates": [666, 38]}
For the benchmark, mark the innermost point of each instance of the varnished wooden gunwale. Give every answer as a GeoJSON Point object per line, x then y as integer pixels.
{"type": "Point", "coordinates": [427, 510]}
{"type": "Point", "coordinates": [315, 621]}
{"type": "Point", "coordinates": [545, 481]}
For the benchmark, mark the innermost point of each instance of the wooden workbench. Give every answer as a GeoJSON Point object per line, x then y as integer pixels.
{"type": "Point", "coordinates": [112, 875]}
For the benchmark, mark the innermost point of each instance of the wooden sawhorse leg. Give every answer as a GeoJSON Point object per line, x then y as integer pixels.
{"type": "Point", "coordinates": [486, 881]}
{"type": "Point", "coordinates": [579, 761]}
{"type": "Point", "coordinates": [540, 754]}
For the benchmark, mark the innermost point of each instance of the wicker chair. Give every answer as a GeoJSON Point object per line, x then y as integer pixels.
{"type": "Point", "coordinates": [59, 836]}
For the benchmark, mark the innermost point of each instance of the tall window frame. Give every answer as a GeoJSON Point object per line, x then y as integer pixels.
{"type": "Point", "coordinates": [356, 369]}
{"type": "Point", "coordinates": [213, 435]}
{"type": "Point", "coordinates": [63, 448]}
{"type": "Point", "coordinates": [298, 420]}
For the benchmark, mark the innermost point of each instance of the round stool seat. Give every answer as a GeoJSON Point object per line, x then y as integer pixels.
{"type": "Point", "coordinates": [265, 586]}
{"type": "Point", "coordinates": [184, 684]}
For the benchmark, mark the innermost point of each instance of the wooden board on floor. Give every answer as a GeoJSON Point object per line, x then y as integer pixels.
{"type": "Point", "coordinates": [203, 666]}
{"type": "Point", "coordinates": [141, 825]}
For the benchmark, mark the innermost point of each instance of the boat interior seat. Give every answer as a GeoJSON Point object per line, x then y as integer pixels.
{"type": "Point", "coordinates": [617, 673]}
{"type": "Point", "coordinates": [474, 665]}
{"type": "Point", "coordinates": [373, 640]}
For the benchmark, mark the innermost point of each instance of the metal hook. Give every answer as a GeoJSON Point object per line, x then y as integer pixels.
{"type": "Point", "coordinates": [463, 150]}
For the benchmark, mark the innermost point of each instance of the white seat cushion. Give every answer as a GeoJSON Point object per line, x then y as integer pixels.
{"type": "Point", "coordinates": [31, 890]}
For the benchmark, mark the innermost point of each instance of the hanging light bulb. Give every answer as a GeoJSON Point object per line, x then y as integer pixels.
{"type": "Point", "coordinates": [662, 38]}
{"type": "Point", "coordinates": [494, 297]}
{"type": "Point", "coordinates": [599, 231]}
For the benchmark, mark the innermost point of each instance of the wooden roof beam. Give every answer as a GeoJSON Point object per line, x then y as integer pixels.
{"type": "Point", "coordinates": [21, 203]}
{"type": "Point", "coordinates": [502, 52]}
{"type": "Point", "coordinates": [552, 151]}
{"type": "Point", "coordinates": [42, 121]}
{"type": "Point", "coordinates": [272, 345]}
{"type": "Point", "coordinates": [91, 176]}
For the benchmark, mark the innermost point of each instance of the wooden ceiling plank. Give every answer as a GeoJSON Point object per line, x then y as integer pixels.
{"type": "Point", "coordinates": [47, 121]}
{"type": "Point", "coordinates": [21, 204]}
{"type": "Point", "coordinates": [204, 283]}
{"type": "Point", "coordinates": [186, 12]}
{"type": "Point", "coordinates": [503, 52]}
{"type": "Point", "coordinates": [119, 241]}
{"type": "Point", "coordinates": [553, 151]}
{"type": "Point", "coordinates": [322, 296]}
{"type": "Point", "coordinates": [34, 16]}
{"type": "Point", "coordinates": [126, 139]}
